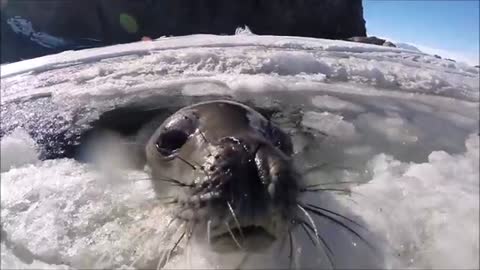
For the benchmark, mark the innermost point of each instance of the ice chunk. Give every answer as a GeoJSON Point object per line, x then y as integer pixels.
{"type": "Point", "coordinates": [330, 124]}
{"type": "Point", "coordinates": [17, 149]}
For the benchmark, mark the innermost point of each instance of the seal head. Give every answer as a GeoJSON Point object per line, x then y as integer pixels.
{"type": "Point", "coordinates": [228, 171]}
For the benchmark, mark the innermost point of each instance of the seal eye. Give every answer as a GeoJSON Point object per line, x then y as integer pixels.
{"type": "Point", "coordinates": [170, 141]}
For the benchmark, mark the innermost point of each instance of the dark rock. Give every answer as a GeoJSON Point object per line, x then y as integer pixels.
{"type": "Point", "coordinates": [451, 60]}
{"type": "Point", "coordinates": [372, 40]}
{"type": "Point", "coordinates": [369, 40]}
{"type": "Point", "coordinates": [79, 24]}
{"type": "Point", "coordinates": [437, 56]}
{"type": "Point", "coordinates": [389, 44]}
{"type": "Point", "coordinates": [477, 66]}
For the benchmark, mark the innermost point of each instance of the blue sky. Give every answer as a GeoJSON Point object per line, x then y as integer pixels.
{"type": "Point", "coordinates": [448, 28]}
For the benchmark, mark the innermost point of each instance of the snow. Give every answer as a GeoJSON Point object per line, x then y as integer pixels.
{"type": "Point", "coordinates": [403, 123]}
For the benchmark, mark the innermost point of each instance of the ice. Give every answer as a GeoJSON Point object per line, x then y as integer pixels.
{"type": "Point", "coordinates": [137, 66]}
{"type": "Point", "coordinates": [392, 127]}
{"type": "Point", "coordinates": [67, 213]}
{"type": "Point", "coordinates": [17, 149]}
{"type": "Point", "coordinates": [333, 103]}
{"type": "Point", "coordinates": [330, 124]}
{"type": "Point", "coordinates": [403, 123]}
{"type": "Point", "coordinates": [429, 211]}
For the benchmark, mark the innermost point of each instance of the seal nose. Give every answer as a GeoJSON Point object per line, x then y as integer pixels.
{"type": "Point", "coordinates": [255, 175]}
{"type": "Point", "coordinates": [249, 176]}
{"type": "Point", "coordinates": [236, 173]}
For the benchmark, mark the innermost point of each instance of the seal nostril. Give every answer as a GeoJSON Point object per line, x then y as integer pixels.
{"type": "Point", "coordinates": [170, 141]}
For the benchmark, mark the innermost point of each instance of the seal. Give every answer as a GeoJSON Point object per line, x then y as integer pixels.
{"type": "Point", "coordinates": [228, 174]}
{"type": "Point", "coordinates": [227, 169]}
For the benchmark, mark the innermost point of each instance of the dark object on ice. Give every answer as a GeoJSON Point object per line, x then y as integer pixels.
{"type": "Point", "coordinates": [36, 28]}
{"type": "Point", "coordinates": [437, 56]}
{"type": "Point", "coordinates": [389, 44]}
{"type": "Point", "coordinates": [368, 40]}
{"type": "Point", "coordinates": [451, 60]}
{"type": "Point", "coordinates": [372, 40]}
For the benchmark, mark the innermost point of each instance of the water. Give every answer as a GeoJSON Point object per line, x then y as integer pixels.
{"type": "Point", "coordinates": [414, 146]}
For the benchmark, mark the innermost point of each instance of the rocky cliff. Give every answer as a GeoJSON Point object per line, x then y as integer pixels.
{"type": "Point", "coordinates": [34, 28]}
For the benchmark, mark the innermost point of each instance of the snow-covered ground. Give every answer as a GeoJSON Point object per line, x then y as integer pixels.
{"type": "Point", "coordinates": [403, 122]}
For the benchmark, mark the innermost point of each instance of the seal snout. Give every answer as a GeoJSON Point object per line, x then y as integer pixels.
{"type": "Point", "coordinates": [254, 184]}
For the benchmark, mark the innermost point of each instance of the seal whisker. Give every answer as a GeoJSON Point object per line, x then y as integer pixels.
{"type": "Point", "coordinates": [209, 230]}
{"type": "Point", "coordinates": [174, 181]}
{"type": "Point", "coordinates": [343, 191]}
{"type": "Point", "coordinates": [290, 253]}
{"type": "Point", "coordinates": [168, 225]}
{"type": "Point", "coordinates": [314, 242]}
{"type": "Point", "coordinates": [187, 245]}
{"type": "Point", "coordinates": [186, 162]}
{"type": "Point", "coordinates": [338, 222]}
{"type": "Point", "coordinates": [194, 167]}
{"type": "Point", "coordinates": [169, 253]}
{"type": "Point", "coordinates": [338, 215]}
{"type": "Point", "coordinates": [162, 236]}
{"type": "Point", "coordinates": [205, 139]}
{"type": "Point", "coordinates": [309, 219]}
{"type": "Point", "coordinates": [161, 199]}
{"type": "Point", "coordinates": [323, 165]}
{"type": "Point", "coordinates": [294, 250]}
{"type": "Point", "coordinates": [333, 183]}
{"type": "Point", "coordinates": [166, 179]}
{"type": "Point", "coordinates": [329, 252]}
{"type": "Point", "coordinates": [325, 189]}
{"type": "Point", "coordinates": [313, 227]}
{"type": "Point", "coordinates": [236, 220]}
{"type": "Point", "coordinates": [233, 236]}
